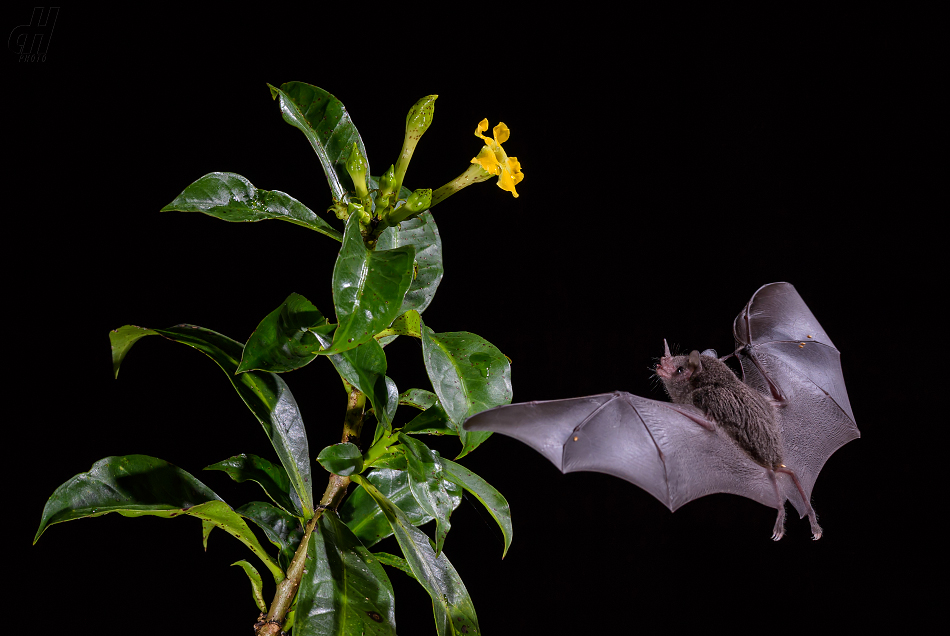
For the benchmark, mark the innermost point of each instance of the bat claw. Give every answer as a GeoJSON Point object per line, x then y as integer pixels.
{"type": "Point", "coordinates": [778, 534]}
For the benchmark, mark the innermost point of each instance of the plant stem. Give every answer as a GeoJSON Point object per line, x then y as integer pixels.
{"type": "Point", "coordinates": [336, 489]}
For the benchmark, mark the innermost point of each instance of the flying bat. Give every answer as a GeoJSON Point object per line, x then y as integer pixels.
{"type": "Point", "coordinates": [765, 437]}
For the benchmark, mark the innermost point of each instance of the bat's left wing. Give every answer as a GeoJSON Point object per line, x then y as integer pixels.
{"type": "Point", "coordinates": [666, 449]}
{"type": "Point", "coordinates": [785, 353]}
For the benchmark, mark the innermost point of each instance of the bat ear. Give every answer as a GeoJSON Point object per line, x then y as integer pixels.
{"type": "Point", "coordinates": [695, 364]}
{"type": "Point", "coordinates": [710, 353]}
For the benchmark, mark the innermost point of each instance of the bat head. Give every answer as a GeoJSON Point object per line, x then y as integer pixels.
{"type": "Point", "coordinates": [676, 372]}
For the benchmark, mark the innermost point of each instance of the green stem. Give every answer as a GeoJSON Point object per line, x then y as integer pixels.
{"type": "Point", "coordinates": [336, 490]}
{"type": "Point", "coordinates": [474, 174]}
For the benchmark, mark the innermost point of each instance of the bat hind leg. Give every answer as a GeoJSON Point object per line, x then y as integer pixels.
{"type": "Point", "coordinates": [812, 518]}
{"type": "Point", "coordinates": [778, 531]}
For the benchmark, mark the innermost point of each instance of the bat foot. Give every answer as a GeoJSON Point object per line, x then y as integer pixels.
{"type": "Point", "coordinates": [778, 531]}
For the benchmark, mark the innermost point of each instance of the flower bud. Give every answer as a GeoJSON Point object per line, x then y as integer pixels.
{"type": "Point", "coordinates": [354, 207]}
{"type": "Point", "coordinates": [420, 116]}
{"type": "Point", "coordinates": [356, 167]}
{"type": "Point", "coordinates": [417, 203]}
{"type": "Point", "coordinates": [417, 122]}
{"type": "Point", "coordinates": [386, 183]}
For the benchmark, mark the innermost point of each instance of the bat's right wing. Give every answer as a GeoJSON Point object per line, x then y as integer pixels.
{"type": "Point", "coordinates": [661, 447]}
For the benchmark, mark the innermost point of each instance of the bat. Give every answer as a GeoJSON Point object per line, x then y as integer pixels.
{"type": "Point", "coordinates": [765, 437]}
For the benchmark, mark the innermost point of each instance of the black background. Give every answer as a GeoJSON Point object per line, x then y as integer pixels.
{"type": "Point", "coordinates": [672, 166]}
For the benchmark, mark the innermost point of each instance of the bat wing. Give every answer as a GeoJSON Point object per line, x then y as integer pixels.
{"type": "Point", "coordinates": [785, 352]}
{"type": "Point", "coordinates": [661, 447]}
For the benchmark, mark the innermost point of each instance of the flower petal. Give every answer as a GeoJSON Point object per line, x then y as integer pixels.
{"type": "Point", "coordinates": [505, 182]}
{"type": "Point", "coordinates": [500, 132]}
{"type": "Point", "coordinates": [486, 159]}
{"type": "Point", "coordinates": [482, 127]}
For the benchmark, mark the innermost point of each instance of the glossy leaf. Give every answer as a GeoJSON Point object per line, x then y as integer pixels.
{"type": "Point", "coordinates": [257, 585]}
{"type": "Point", "coordinates": [341, 459]}
{"type": "Point", "coordinates": [368, 288]}
{"type": "Point", "coordinates": [280, 527]}
{"type": "Point", "coordinates": [432, 421]}
{"type": "Point", "coordinates": [344, 590]}
{"type": "Point", "coordinates": [360, 512]}
{"type": "Point", "coordinates": [285, 339]}
{"type": "Point", "coordinates": [231, 197]}
{"type": "Point", "coordinates": [393, 561]}
{"type": "Point", "coordinates": [428, 486]}
{"type": "Point", "coordinates": [418, 398]}
{"type": "Point", "coordinates": [422, 234]}
{"type": "Point", "coordinates": [408, 324]}
{"type": "Point", "coordinates": [493, 500]}
{"type": "Point", "coordinates": [328, 127]}
{"type": "Point", "coordinates": [451, 603]}
{"type": "Point", "coordinates": [266, 394]}
{"type": "Point", "coordinates": [139, 485]}
{"type": "Point", "coordinates": [365, 368]}
{"type": "Point", "coordinates": [271, 477]}
{"type": "Point", "coordinates": [469, 374]}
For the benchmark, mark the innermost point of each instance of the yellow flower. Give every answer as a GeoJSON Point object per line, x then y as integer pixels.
{"type": "Point", "coordinates": [492, 157]}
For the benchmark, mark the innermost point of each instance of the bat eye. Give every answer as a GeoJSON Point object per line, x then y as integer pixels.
{"type": "Point", "coordinates": [679, 369]}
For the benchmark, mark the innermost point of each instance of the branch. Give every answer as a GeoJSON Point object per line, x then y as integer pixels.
{"type": "Point", "coordinates": [336, 489]}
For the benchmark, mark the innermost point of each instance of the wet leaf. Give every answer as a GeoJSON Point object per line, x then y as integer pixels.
{"type": "Point", "coordinates": [345, 590]}
{"type": "Point", "coordinates": [342, 459]}
{"type": "Point", "coordinates": [139, 485]}
{"type": "Point", "coordinates": [428, 486]}
{"type": "Point", "coordinates": [422, 234]}
{"type": "Point", "coordinates": [368, 288]}
{"type": "Point", "coordinates": [365, 368]}
{"type": "Point", "coordinates": [469, 374]}
{"type": "Point", "coordinates": [493, 500]}
{"type": "Point", "coordinates": [322, 118]}
{"type": "Point", "coordinates": [285, 339]}
{"type": "Point", "coordinates": [364, 517]}
{"type": "Point", "coordinates": [418, 398]}
{"type": "Point", "coordinates": [231, 197]}
{"type": "Point", "coordinates": [257, 585]}
{"type": "Point", "coordinates": [266, 394]}
{"type": "Point", "coordinates": [451, 603]}
{"type": "Point", "coordinates": [280, 527]}
{"type": "Point", "coordinates": [271, 477]}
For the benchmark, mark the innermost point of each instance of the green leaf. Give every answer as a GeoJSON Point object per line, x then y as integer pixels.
{"type": "Point", "coordinates": [451, 603]}
{"type": "Point", "coordinates": [408, 324]}
{"type": "Point", "coordinates": [341, 459]}
{"type": "Point", "coordinates": [394, 457]}
{"type": "Point", "coordinates": [137, 485]}
{"type": "Point", "coordinates": [285, 339]}
{"type": "Point", "coordinates": [469, 374]}
{"type": "Point", "coordinates": [418, 398]}
{"type": "Point", "coordinates": [493, 500]}
{"type": "Point", "coordinates": [368, 288]}
{"type": "Point", "coordinates": [367, 521]}
{"type": "Point", "coordinates": [365, 368]}
{"type": "Point", "coordinates": [328, 127]}
{"type": "Point", "coordinates": [428, 486]}
{"type": "Point", "coordinates": [422, 234]}
{"type": "Point", "coordinates": [344, 590]}
{"type": "Point", "coordinates": [280, 527]}
{"type": "Point", "coordinates": [394, 562]}
{"type": "Point", "coordinates": [257, 585]}
{"type": "Point", "coordinates": [265, 394]}
{"type": "Point", "coordinates": [271, 477]}
{"type": "Point", "coordinates": [231, 197]}
{"type": "Point", "coordinates": [432, 421]}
